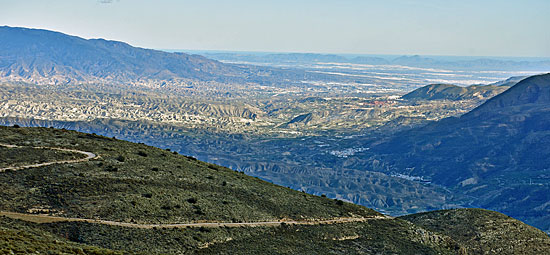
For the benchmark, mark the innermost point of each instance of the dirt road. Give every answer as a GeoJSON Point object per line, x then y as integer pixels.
{"type": "Point", "coordinates": [40, 218]}
{"type": "Point", "coordinates": [37, 218]}
{"type": "Point", "coordinates": [89, 156]}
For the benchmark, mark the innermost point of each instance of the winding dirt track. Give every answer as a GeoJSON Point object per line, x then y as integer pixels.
{"type": "Point", "coordinates": [89, 156]}
{"type": "Point", "coordinates": [41, 218]}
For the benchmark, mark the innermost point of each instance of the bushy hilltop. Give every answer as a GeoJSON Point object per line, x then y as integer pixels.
{"type": "Point", "coordinates": [135, 185]}
{"type": "Point", "coordinates": [18, 238]}
{"type": "Point", "coordinates": [138, 183]}
{"type": "Point", "coordinates": [486, 232]}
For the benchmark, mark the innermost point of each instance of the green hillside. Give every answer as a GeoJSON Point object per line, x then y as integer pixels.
{"type": "Point", "coordinates": [16, 238]}
{"type": "Point", "coordinates": [11, 157]}
{"type": "Point", "coordinates": [129, 195]}
{"type": "Point", "coordinates": [138, 183]}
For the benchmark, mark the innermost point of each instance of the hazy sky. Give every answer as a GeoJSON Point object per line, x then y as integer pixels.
{"type": "Point", "coordinates": [427, 27]}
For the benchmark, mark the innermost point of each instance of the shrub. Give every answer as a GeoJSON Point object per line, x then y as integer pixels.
{"type": "Point", "coordinates": [199, 211]}
{"type": "Point", "coordinates": [192, 200]}
{"type": "Point", "coordinates": [120, 158]}
{"type": "Point", "coordinates": [142, 153]}
{"type": "Point", "coordinates": [111, 169]}
{"type": "Point", "coordinates": [191, 158]}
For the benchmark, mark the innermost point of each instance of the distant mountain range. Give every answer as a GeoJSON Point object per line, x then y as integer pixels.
{"type": "Point", "coordinates": [46, 57]}
{"type": "Point", "coordinates": [471, 63]}
{"type": "Point", "coordinates": [497, 154]}
{"type": "Point", "coordinates": [41, 55]}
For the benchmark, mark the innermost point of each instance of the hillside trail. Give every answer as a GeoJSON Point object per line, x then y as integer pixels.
{"type": "Point", "coordinates": [40, 218]}
{"type": "Point", "coordinates": [88, 155]}
{"type": "Point", "coordinates": [44, 218]}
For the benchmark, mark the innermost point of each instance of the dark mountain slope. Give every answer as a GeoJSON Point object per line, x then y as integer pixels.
{"type": "Point", "coordinates": [531, 92]}
{"type": "Point", "coordinates": [498, 153]}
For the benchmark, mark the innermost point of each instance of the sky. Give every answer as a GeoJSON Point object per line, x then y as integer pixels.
{"type": "Point", "coordinates": [398, 27]}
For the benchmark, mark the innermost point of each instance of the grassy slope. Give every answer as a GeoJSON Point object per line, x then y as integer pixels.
{"type": "Point", "coordinates": [484, 232]}
{"type": "Point", "coordinates": [135, 182]}
{"type": "Point", "coordinates": [21, 238]}
{"type": "Point", "coordinates": [379, 237]}
{"type": "Point", "coordinates": [374, 237]}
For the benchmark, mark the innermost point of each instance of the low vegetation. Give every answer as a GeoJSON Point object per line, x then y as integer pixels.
{"type": "Point", "coordinates": [375, 237]}
{"type": "Point", "coordinates": [139, 184]}
{"type": "Point", "coordinates": [142, 184]}
{"type": "Point", "coordinates": [378, 237]}
{"type": "Point", "coordinates": [21, 238]}
{"type": "Point", "coordinates": [12, 157]}
{"type": "Point", "coordinates": [484, 232]}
